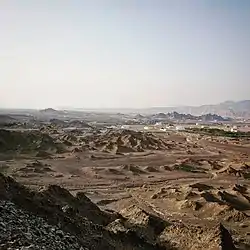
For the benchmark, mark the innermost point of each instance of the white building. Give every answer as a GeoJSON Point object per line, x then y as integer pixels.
{"type": "Point", "coordinates": [125, 127]}
{"type": "Point", "coordinates": [179, 128]}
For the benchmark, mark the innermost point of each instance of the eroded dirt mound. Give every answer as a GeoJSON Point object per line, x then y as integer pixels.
{"type": "Point", "coordinates": [126, 141]}
{"type": "Point", "coordinates": [151, 169]}
{"type": "Point", "coordinates": [185, 236]}
{"type": "Point", "coordinates": [69, 138]}
{"type": "Point", "coordinates": [35, 167]}
{"type": "Point", "coordinates": [143, 223]}
{"type": "Point", "coordinates": [133, 169]}
{"type": "Point", "coordinates": [238, 171]}
{"type": "Point", "coordinates": [189, 165]}
{"type": "Point", "coordinates": [174, 235]}
{"type": "Point", "coordinates": [207, 202]}
{"type": "Point", "coordinates": [230, 171]}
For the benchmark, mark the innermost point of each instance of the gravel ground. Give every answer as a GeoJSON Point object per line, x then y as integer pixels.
{"type": "Point", "coordinates": [21, 230]}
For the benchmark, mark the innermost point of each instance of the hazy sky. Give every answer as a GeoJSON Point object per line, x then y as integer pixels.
{"type": "Point", "coordinates": [123, 53]}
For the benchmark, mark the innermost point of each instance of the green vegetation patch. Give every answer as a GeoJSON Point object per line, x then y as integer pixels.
{"type": "Point", "coordinates": [186, 168]}
{"type": "Point", "coordinates": [220, 132]}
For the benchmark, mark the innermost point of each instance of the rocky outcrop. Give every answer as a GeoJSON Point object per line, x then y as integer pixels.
{"type": "Point", "coordinates": [28, 142]}
{"type": "Point", "coordinates": [225, 241]}
{"type": "Point", "coordinates": [145, 224]}
{"type": "Point", "coordinates": [21, 230]}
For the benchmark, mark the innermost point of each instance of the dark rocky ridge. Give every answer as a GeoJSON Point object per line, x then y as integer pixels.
{"type": "Point", "coordinates": [175, 116]}
{"type": "Point", "coordinates": [28, 142]}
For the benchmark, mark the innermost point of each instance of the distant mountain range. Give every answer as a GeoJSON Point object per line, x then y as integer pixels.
{"type": "Point", "coordinates": [175, 116]}
{"type": "Point", "coordinates": [240, 109]}
{"type": "Point", "coordinates": [230, 109]}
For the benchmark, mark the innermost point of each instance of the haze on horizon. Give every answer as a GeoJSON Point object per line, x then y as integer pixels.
{"type": "Point", "coordinates": [123, 54]}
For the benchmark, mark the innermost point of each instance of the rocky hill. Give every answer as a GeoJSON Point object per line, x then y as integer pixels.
{"type": "Point", "coordinates": [175, 116]}
{"type": "Point", "coordinates": [28, 142]}
{"type": "Point", "coordinates": [50, 111]}
{"type": "Point", "coordinates": [225, 109]}
{"type": "Point", "coordinates": [54, 219]}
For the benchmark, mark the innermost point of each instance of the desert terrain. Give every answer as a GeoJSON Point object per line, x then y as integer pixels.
{"type": "Point", "coordinates": [108, 187]}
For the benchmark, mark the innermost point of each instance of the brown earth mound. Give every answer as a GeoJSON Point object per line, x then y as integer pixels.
{"type": "Point", "coordinates": [234, 215]}
{"type": "Point", "coordinates": [133, 169]}
{"type": "Point", "coordinates": [191, 161]}
{"type": "Point", "coordinates": [69, 138]}
{"type": "Point", "coordinates": [166, 168]}
{"type": "Point", "coordinates": [151, 169]}
{"type": "Point", "coordinates": [35, 167]}
{"type": "Point", "coordinates": [143, 223]}
{"type": "Point", "coordinates": [239, 188]}
{"type": "Point", "coordinates": [189, 165]}
{"type": "Point", "coordinates": [215, 165]}
{"type": "Point", "coordinates": [207, 202]}
{"type": "Point", "coordinates": [200, 186]}
{"type": "Point", "coordinates": [238, 171]}
{"type": "Point", "coordinates": [43, 154]}
{"type": "Point", "coordinates": [125, 141]}
{"type": "Point", "coordinates": [230, 171]}
{"type": "Point", "coordinates": [113, 171]}
{"type": "Point", "coordinates": [185, 167]}
{"type": "Point", "coordinates": [194, 205]}
{"type": "Point", "coordinates": [183, 236]}
{"type": "Point", "coordinates": [77, 150]}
